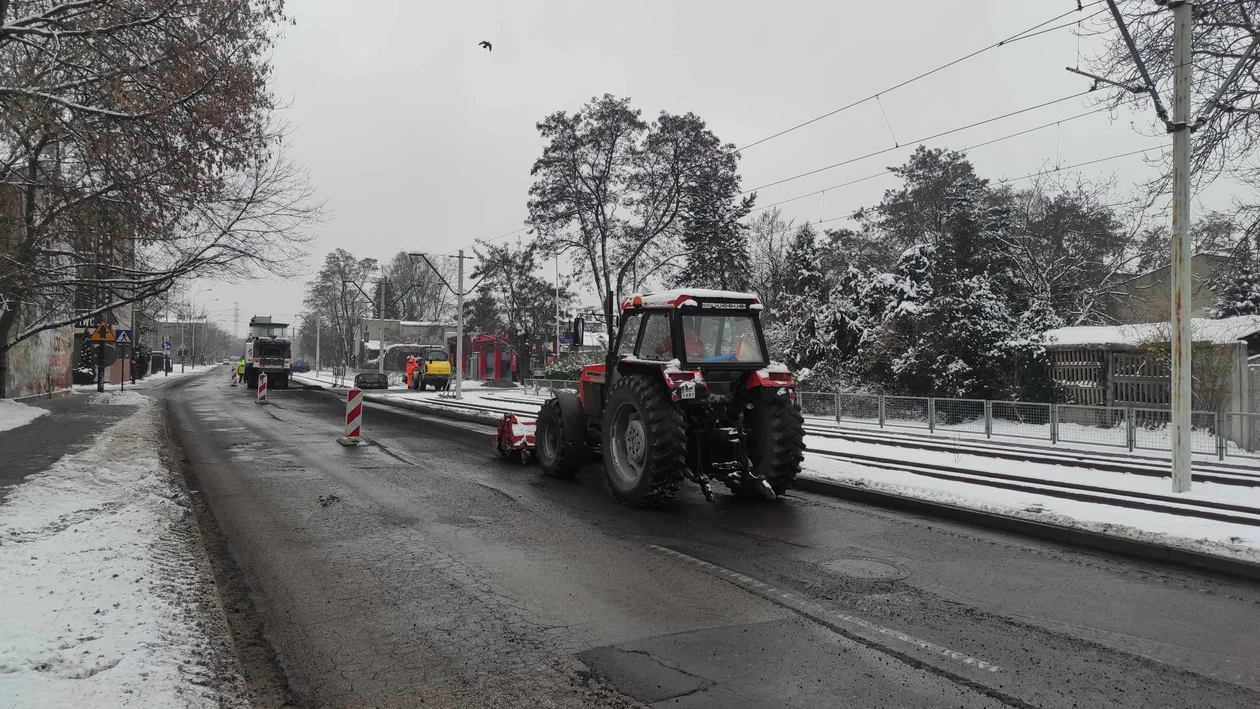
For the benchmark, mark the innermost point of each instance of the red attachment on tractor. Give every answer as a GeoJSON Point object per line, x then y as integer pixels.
{"type": "Point", "coordinates": [515, 437]}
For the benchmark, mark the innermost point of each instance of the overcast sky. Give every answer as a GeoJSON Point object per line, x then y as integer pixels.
{"type": "Point", "coordinates": [419, 139]}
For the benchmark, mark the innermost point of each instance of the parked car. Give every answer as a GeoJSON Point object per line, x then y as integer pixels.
{"type": "Point", "coordinates": [371, 380]}
{"type": "Point", "coordinates": [300, 366]}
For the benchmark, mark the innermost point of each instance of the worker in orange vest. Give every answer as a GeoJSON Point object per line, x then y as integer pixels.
{"type": "Point", "coordinates": [411, 370]}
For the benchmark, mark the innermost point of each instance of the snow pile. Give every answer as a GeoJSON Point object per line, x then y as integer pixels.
{"type": "Point", "coordinates": [14, 414]}
{"type": "Point", "coordinates": [118, 398]}
{"type": "Point", "coordinates": [102, 581]}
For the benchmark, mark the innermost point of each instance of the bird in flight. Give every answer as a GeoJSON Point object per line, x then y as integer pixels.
{"type": "Point", "coordinates": [485, 44]}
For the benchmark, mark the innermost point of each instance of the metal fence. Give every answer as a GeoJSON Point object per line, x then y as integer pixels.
{"type": "Point", "coordinates": [547, 387]}
{"type": "Point", "coordinates": [1221, 435]}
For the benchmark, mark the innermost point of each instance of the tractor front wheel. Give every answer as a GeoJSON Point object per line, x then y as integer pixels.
{"type": "Point", "coordinates": [645, 442]}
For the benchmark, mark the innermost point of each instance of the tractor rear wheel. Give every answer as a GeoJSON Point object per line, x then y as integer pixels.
{"type": "Point", "coordinates": [645, 442]}
{"type": "Point", "coordinates": [560, 449]}
{"type": "Point", "coordinates": [776, 442]}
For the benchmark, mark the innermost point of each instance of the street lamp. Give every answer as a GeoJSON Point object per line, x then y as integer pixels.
{"type": "Point", "coordinates": [194, 337]}
{"type": "Point", "coordinates": [182, 357]}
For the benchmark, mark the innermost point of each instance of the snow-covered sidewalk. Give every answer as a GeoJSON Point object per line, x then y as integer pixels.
{"type": "Point", "coordinates": [1215, 537]}
{"type": "Point", "coordinates": [107, 597]}
{"type": "Point", "coordinates": [14, 414]}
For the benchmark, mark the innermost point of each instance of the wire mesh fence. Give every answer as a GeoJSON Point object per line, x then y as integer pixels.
{"type": "Point", "coordinates": [817, 405]}
{"type": "Point", "coordinates": [859, 409]}
{"type": "Point", "coordinates": [1018, 419]}
{"type": "Point", "coordinates": [1094, 425]}
{"type": "Point", "coordinates": [1150, 430]}
{"type": "Point", "coordinates": [964, 415]}
{"type": "Point", "coordinates": [1242, 436]}
{"type": "Point", "coordinates": [1219, 435]}
{"type": "Point", "coordinates": [906, 411]}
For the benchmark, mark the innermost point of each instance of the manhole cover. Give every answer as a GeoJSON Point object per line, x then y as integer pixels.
{"type": "Point", "coordinates": [865, 569]}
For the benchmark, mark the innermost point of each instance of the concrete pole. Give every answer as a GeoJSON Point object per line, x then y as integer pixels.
{"type": "Point", "coordinates": [380, 314]}
{"type": "Point", "coordinates": [459, 330]}
{"type": "Point", "coordinates": [557, 307]}
{"type": "Point", "coordinates": [317, 345]}
{"type": "Point", "coordinates": [1181, 248]}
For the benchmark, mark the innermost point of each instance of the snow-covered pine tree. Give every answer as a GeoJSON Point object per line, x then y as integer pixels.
{"type": "Point", "coordinates": [806, 291]}
{"type": "Point", "coordinates": [1239, 291]}
{"type": "Point", "coordinates": [715, 241]}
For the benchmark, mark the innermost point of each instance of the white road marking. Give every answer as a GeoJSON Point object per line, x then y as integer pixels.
{"type": "Point", "coordinates": [820, 613]}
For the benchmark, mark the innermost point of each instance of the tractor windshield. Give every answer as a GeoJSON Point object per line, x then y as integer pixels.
{"type": "Point", "coordinates": [722, 338]}
{"type": "Point", "coordinates": [436, 355]}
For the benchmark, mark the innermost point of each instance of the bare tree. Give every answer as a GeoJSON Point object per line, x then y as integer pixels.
{"type": "Point", "coordinates": [610, 188]}
{"type": "Point", "coordinates": [527, 302]}
{"type": "Point", "coordinates": [414, 290]}
{"type": "Point", "coordinates": [769, 236]}
{"type": "Point", "coordinates": [1226, 82]}
{"type": "Point", "coordinates": [337, 297]}
{"type": "Point", "coordinates": [137, 150]}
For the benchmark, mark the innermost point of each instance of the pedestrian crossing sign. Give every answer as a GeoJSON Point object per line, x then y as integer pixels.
{"type": "Point", "coordinates": [123, 337]}
{"type": "Point", "coordinates": [102, 333]}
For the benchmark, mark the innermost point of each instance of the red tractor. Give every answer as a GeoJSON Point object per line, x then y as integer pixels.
{"type": "Point", "coordinates": [687, 392]}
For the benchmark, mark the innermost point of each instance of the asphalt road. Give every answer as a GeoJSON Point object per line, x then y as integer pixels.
{"type": "Point", "coordinates": [423, 571]}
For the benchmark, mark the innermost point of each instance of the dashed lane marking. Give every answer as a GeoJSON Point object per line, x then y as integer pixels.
{"type": "Point", "coordinates": [826, 616]}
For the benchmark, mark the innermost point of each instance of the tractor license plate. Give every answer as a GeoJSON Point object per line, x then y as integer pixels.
{"type": "Point", "coordinates": [687, 390]}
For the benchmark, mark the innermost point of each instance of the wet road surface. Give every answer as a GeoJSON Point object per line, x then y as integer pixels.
{"type": "Point", "coordinates": [423, 571]}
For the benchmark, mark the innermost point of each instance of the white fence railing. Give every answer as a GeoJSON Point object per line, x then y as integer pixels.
{"type": "Point", "coordinates": [1222, 435]}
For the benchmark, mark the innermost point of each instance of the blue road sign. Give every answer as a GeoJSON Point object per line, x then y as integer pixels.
{"type": "Point", "coordinates": [122, 337]}
{"type": "Point", "coordinates": [166, 346]}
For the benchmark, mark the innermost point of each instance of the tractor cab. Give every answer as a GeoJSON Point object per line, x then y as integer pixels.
{"type": "Point", "coordinates": [705, 345]}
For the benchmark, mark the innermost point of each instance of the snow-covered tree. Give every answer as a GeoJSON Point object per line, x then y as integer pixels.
{"type": "Point", "coordinates": [1239, 291]}
{"type": "Point", "coordinates": [714, 239]}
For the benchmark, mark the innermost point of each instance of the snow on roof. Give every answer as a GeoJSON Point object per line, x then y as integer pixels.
{"type": "Point", "coordinates": [423, 323]}
{"type": "Point", "coordinates": [1216, 332]}
{"type": "Point", "coordinates": [668, 297]}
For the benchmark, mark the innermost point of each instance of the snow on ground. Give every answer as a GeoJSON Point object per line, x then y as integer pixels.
{"type": "Point", "coordinates": [101, 583]}
{"type": "Point", "coordinates": [1240, 541]}
{"type": "Point", "coordinates": [14, 414]}
{"type": "Point", "coordinates": [1209, 536]}
{"type": "Point", "coordinates": [118, 398]}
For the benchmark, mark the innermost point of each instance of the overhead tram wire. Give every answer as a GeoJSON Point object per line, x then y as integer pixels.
{"type": "Point", "coordinates": [1039, 173]}
{"type": "Point", "coordinates": [1034, 31]}
{"type": "Point", "coordinates": [1026, 34]}
{"type": "Point", "coordinates": [906, 145]}
{"type": "Point", "coordinates": [915, 141]}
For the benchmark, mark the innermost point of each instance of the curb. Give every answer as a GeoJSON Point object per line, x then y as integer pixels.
{"type": "Point", "coordinates": [490, 419]}
{"type": "Point", "coordinates": [1185, 558]}
{"type": "Point", "coordinates": [1077, 537]}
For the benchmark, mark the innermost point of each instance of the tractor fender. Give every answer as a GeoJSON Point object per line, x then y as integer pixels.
{"type": "Point", "coordinates": [571, 411]}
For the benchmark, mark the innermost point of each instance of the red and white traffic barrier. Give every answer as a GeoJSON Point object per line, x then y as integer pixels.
{"type": "Point", "coordinates": [233, 376]}
{"type": "Point", "coordinates": [354, 418]}
{"type": "Point", "coordinates": [262, 388]}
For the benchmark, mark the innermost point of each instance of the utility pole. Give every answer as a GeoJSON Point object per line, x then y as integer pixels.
{"type": "Point", "coordinates": [557, 307]}
{"type": "Point", "coordinates": [1180, 127]}
{"type": "Point", "coordinates": [459, 330]}
{"type": "Point", "coordinates": [317, 345]}
{"type": "Point", "coordinates": [236, 318]}
{"type": "Point", "coordinates": [1181, 243]}
{"type": "Point", "coordinates": [380, 314]}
